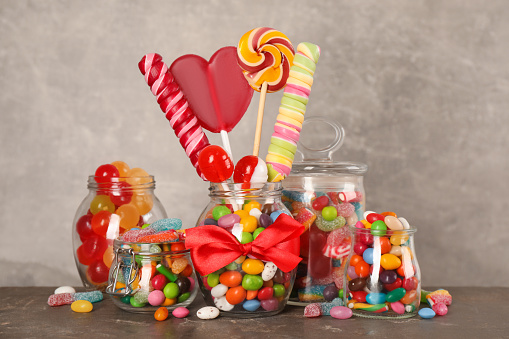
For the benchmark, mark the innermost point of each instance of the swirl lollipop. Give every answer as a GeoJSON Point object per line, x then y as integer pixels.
{"type": "Point", "coordinates": [265, 56]}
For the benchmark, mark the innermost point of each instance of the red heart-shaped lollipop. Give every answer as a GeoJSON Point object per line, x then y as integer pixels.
{"type": "Point", "coordinates": [216, 90]}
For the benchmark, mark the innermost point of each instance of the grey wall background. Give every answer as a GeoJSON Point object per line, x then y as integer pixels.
{"type": "Point", "coordinates": [421, 87]}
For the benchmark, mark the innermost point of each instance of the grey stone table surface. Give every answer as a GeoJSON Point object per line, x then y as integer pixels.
{"type": "Point", "coordinates": [24, 313]}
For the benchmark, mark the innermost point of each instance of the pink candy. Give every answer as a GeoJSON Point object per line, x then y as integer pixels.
{"type": "Point", "coordinates": [440, 309]}
{"type": "Point", "coordinates": [180, 312]}
{"type": "Point", "coordinates": [312, 311]}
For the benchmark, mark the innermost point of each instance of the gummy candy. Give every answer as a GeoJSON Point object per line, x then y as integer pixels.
{"type": "Point", "coordinates": [312, 310]}
{"type": "Point", "coordinates": [345, 209]}
{"type": "Point", "coordinates": [164, 236]}
{"type": "Point", "coordinates": [166, 224]}
{"type": "Point", "coordinates": [328, 226]}
{"type": "Point", "coordinates": [179, 265]}
{"type": "Point", "coordinates": [69, 298]}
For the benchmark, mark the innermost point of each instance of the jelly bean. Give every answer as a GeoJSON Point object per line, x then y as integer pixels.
{"type": "Point", "coordinates": [355, 259]}
{"type": "Point", "coordinates": [385, 245]}
{"type": "Point", "coordinates": [213, 279]}
{"type": "Point", "coordinates": [388, 277]}
{"type": "Point", "coordinates": [82, 306]}
{"type": "Point", "coordinates": [207, 312]}
{"type": "Point", "coordinates": [250, 295]}
{"type": "Point", "coordinates": [135, 303]}
{"type": "Point", "coordinates": [211, 221]}
{"type": "Point", "coordinates": [231, 278]}
{"type": "Point", "coordinates": [171, 290]}
{"type": "Point", "coordinates": [395, 295]}
{"type": "Point", "coordinates": [219, 290]}
{"type": "Point", "coordinates": [405, 223]}
{"type": "Point", "coordinates": [64, 289]}
{"type": "Point", "coordinates": [410, 283]}
{"type": "Point", "coordinates": [275, 214]}
{"type": "Point", "coordinates": [246, 238]}
{"type": "Point", "coordinates": [329, 213]}
{"type": "Point", "coordinates": [351, 272]}
{"type": "Point", "coordinates": [360, 296]}
{"type": "Point", "coordinates": [251, 204]}
{"type": "Point", "coordinates": [359, 248]}
{"type": "Point", "coordinates": [396, 250]}
{"type": "Point", "coordinates": [396, 284]}
{"type": "Point", "coordinates": [279, 290]}
{"type": "Point", "coordinates": [409, 297]}
{"type": "Point", "coordinates": [161, 314]}
{"type": "Point", "coordinates": [357, 284]}
{"type": "Point", "coordinates": [223, 304]}
{"type": "Point", "coordinates": [253, 266]}
{"type": "Point", "coordinates": [156, 298]}
{"type": "Point", "coordinates": [180, 312]}
{"type": "Point", "coordinates": [236, 295]}
{"type": "Point", "coordinates": [265, 220]}
{"type": "Point", "coordinates": [159, 281]}
{"type": "Point", "coordinates": [319, 203]}
{"type": "Point", "coordinates": [233, 266]}
{"type": "Point", "coordinates": [399, 238]}
{"type": "Point", "coordinates": [101, 203]}
{"type": "Point", "coordinates": [372, 217]}
{"type": "Point", "coordinates": [249, 223]}
{"type": "Point", "coordinates": [406, 270]}
{"type": "Point", "coordinates": [362, 269]}
{"type": "Point", "coordinates": [341, 312]}
{"type": "Point", "coordinates": [368, 256]}
{"type": "Point", "coordinates": [252, 282]}
{"type": "Point", "coordinates": [251, 305]}
{"type": "Point", "coordinates": [393, 223]}
{"type": "Point", "coordinates": [219, 211]}
{"type": "Point", "coordinates": [426, 313]}
{"type": "Point", "coordinates": [366, 238]}
{"type": "Point", "coordinates": [228, 220]}
{"type": "Point", "coordinates": [84, 227]}
{"type": "Point", "coordinates": [269, 271]}
{"type": "Point", "coordinates": [375, 298]}
{"type": "Point", "coordinates": [398, 307]}
{"type": "Point", "coordinates": [257, 232]}
{"type": "Point", "coordinates": [378, 228]}
{"type": "Point", "coordinates": [330, 293]}
{"type": "Point", "coordinates": [270, 304]}
{"type": "Point", "coordinates": [265, 293]}
{"type": "Point", "coordinates": [390, 261]}
{"type": "Point", "coordinates": [240, 259]}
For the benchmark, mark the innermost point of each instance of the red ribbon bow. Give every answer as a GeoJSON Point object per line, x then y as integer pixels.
{"type": "Point", "coordinates": [213, 247]}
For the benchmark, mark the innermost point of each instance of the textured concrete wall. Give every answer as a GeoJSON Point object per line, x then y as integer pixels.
{"type": "Point", "coordinates": [421, 87]}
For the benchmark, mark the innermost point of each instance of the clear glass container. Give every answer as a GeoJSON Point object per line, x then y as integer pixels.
{"type": "Point", "coordinates": [243, 288]}
{"type": "Point", "coordinates": [326, 196]}
{"type": "Point", "coordinates": [110, 209]}
{"type": "Point", "coordinates": [144, 277]}
{"type": "Point", "coordinates": [383, 278]}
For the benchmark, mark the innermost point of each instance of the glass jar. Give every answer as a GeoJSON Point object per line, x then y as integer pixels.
{"type": "Point", "coordinates": [109, 209]}
{"type": "Point", "coordinates": [383, 278]}
{"type": "Point", "coordinates": [246, 286]}
{"type": "Point", "coordinates": [326, 196]}
{"type": "Point", "coordinates": [144, 277]}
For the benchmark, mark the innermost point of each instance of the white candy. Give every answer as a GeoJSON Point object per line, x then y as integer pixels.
{"type": "Point", "coordinates": [65, 289]}
{"type": "Point", "coordinates": [207, 312]}
{"type": "Point", "coordinates": [405, 223]}
{"type": "Point", "coordinates": [255, 212]}
{"type": "Point", "coordinates": [219, 290]}
{"type": "Point", "coordinates": [269, 271]}
{"type": "Point", "coordinates": [223, 304]}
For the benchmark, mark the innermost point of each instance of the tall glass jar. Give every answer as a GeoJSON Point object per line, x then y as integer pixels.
{"type": "Point", "coordinates": [326, 196]}
{"type": "Point", "coordinates": [144, 277]}
{"type": "Point", "coordinates": [110, 209]}
{"type": "Point", "coordinates": [383, 278]}
{"type": "Point", "coordinates": [247, 286]}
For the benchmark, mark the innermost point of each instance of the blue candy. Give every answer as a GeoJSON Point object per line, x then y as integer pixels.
{"type": "Point", "coordinates": [251, 305]}
{"type": "Point", "coordinates": [326, 307]}
{"type": "Point", "coordinates": [368, 256]}
{"type": "Point", "coordinates": [426, 313]}
{"type": "Point", "coordinates": [375, 298]}
{"type": "Point", "coordinates": [277, 213]}
{"type": "Point", "coordinates": [93, 296]}
{"type": "Point", "coordinates": [166, 224]}
{"type": "Point", "coordinates": [297, 196]}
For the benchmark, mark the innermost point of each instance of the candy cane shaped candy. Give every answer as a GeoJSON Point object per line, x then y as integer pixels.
{"type": "Point", "coordinates": [173, 103]}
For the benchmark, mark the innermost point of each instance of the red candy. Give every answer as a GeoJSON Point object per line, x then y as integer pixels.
{"type": "Point", "coordinates": [215, 164]}
{"type": "Point", "coordinates": [250, 169]}
{"type": "Point", "coordinates": [104, 173]}
{"type": "Point", "coordinates": [159, 281]}
{"type": "Point", "coordinates": [120, 193]}
{"type": "Point", "coordinates": [440, 309]}
{"type": "Point", "coordinates": [372, 217]}
{"type": "Point", "coordinates": [319, 203]}
{"type": "Point", "coordinates": [84, 227]}
{"type": "Point", "coordinates": [98, 272]}
{"type": "Point", "coordinates": [312, 310]}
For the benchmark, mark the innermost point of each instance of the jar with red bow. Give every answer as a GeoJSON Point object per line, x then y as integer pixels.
{"type": "Point", "coordinates": [245, 249]}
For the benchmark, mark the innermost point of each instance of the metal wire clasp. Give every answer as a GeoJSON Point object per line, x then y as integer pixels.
{"type": "Point", "coordinates": [119, 264]}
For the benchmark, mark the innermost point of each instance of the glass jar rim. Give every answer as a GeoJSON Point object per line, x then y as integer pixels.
{"type": "Point", "coordinates": [328, 168]}
{"type": "Point", "coordinates": [144, 182]}
{"type": "Point", "coordinates": [389, 232]}
{"type": "Point", "coordinates": [117, 244]}
{"type": "Point", "coordinates": [253, 189]}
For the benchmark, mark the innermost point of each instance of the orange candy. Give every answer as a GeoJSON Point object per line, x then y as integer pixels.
{"type": "Point", "coordinates": [236, 295]}
{"type": "Point", "coordinates": [250, 295]}
{"type": "Point", "coordinates": [143, 202]}
{"type": "Point", "coordinates": [230, 278]}
{"type": "Point", "coordinates": [362, 269]}
{"type": "Point", "coordinates": [177, 247]}
{"type": "Point", "coordinates": [355, 259]}
{"type": "Point", "coordinates": [159, 237]}
{"type": "Point", "coordinates": [187, 271]}
{"type": "Point", "coordinates": [123, 169]}
{"type": "Point", "coordinates": [161, 314]}
{"type": "Point", "coordinates": [385, 245]}
{"type": "Point", "coordinates": [169, 302]}
{"type": "Point", "coordinates": [108, 256]}
{"type": "Point", "coordinates": [409, 297]}
{"type": "Point", "coordinates": [389, 213]}
{"type": "Point", "coordinates": [129, 216]}
{"type": "Point", "coordinates": [138, 176]}
{"type": "Point", "coordinates": [179, 265]}
{"type": "Point", "coordinates": [252, 204]}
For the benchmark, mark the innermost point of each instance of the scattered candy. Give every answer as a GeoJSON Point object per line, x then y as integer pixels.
{"type": "Point", "coordinates": [64, 289]}
{"type": "Point", "coordinates": [82, 306]}
{"type": "Point", "coordinates": [312, 310]}
{"type": "Point", "coordinates": [161, 314]}
{"type": "Point", "coordinates": [207, 312]}
{"type": "Point", "coordinates": [180, 312]}
{"type": "Point", "coordinates": [426, 313]}
{"type": "Point", "coordinates": [68, 298]}
{"type": "Point", "coordinates": [341, 312]}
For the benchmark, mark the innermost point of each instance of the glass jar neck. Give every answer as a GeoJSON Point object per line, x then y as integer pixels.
{"type": "Point", "coordinates": [247, 190]}
{"type": "Point", "coordinates": [388, 232]}
{"type": "Point", "coordinates": [122, 183]}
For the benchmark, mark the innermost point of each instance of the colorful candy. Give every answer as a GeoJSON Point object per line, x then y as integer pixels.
{"type": "Point", "coordinates": [173, 103]}
{"type": "Point", "coordinates": [68, 298]}
{"type": "Point", "coordinates": [82, 306]}
{"type": "Point", "coordinates": [250, 169]}
{"type": "Point", "coordinates": [291, 112]}
{"type": "Point", "coordinates": [215, 164]}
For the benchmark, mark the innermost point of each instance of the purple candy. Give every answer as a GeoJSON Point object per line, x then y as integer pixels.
{"type": "Point", "coordinates": [227, 221]}
{"type": "Point", "coordinates": [270, 304]}
{"type": "Point", "coordinates": [265, 220]}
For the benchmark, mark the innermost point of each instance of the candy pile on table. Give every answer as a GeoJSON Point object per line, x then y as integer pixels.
{"type": "Point", "coordinates": [117, 202]}
{"type": "Point", "coordinates": [325, 245]}
{"type": "Point", "coordinates": [81, 302]}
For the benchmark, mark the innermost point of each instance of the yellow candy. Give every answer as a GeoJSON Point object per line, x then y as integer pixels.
{"type": "Point", "coordinates": [253, 266]}
{"type": "Point", "coordinates": [252, 204]}
{"type": "Point", "coordinates": [390, 261]}
{"type": "Point", "coordinates": [241, 213]}
{"type": "Point", "coordinates": [82, 306]}
{"type": "Point", "coordinates": [366, 223]}
{"type": "Point", "coordinates": [249, 223]}
{"type": "Point", "coordinates": [399, 238]}
{"type": "Point", "coordinates": [240, 259]}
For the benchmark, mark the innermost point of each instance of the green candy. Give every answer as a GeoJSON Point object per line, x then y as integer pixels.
{"type": "Point", "coordinates": [395, 295]}
{"type": "Point", "coordinates": [294, 104]}
{"type": "Point", "coordinates": [378, 228]}
{"type": "Point", "coordinates": [212, 279]}
{"type": "Point", "coordinates": [279, 290]}
{"type": "Point", "coordinates": [183, 297]}
{"type": "Point", "coordinates": [290, 147]}
{"type": "Point", "coordinates": [246, 238]}
{"type": "Point", "coordinates": [252, 282]}
{"type": "Point", "coordinates": [145, 226]}
{"type": "Point", "coordinates": [166, 272]}
{"type": "Point", "coordinates": [171, 290]}
{"type": "Point", "coordinates": [313, 49]}
{"type": "Point", "coordinates": [126, 299]}
{"type": "Point", "coordinates": [232, 266]}
{"type": "Point", "coordinates": [305, 63]}
{"type": "Point", "coordinates": [141, 297]}
{"type": "Point", "coordinates": [329, 213]}
{"type": "Point", "coordinates": [328, 226]}
{"type": "Point", "coordinates": [280, 150]}
{"type": "Point", "coordinates": [340, 293]}
{"type": "Point", "coordinates": [134, 303]}
{"type": "Point", "coordinates": [220, 211]}
{"type": "Point", "coordinates": [257, 232]}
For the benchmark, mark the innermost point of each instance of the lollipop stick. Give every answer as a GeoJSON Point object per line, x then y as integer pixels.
{"type": "Point", "coordinates": [259, 120]}
{"type": "Point", "coordinates": [226, 143]}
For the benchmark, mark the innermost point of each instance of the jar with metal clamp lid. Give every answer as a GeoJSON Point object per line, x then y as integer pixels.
{"type": "Point", "coordinates": [146, 276]}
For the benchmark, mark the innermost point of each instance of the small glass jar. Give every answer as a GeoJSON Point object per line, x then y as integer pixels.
{"type": "Point", "coordinates": [110, 209]}
{"type": "Point", "coordinates": [326, 196]}
{"type": "Point", "coordinates": [383, 278]}
{"type": "Point", "coordinates": [144, 277]}
{"type": "Point", "coordinates": [242, 288]}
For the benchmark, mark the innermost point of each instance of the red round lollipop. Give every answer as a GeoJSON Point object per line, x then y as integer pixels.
{"type": "Point", "coordinates": [250, 169]}
{"type": "Point", "coordinates": [215, 164]}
